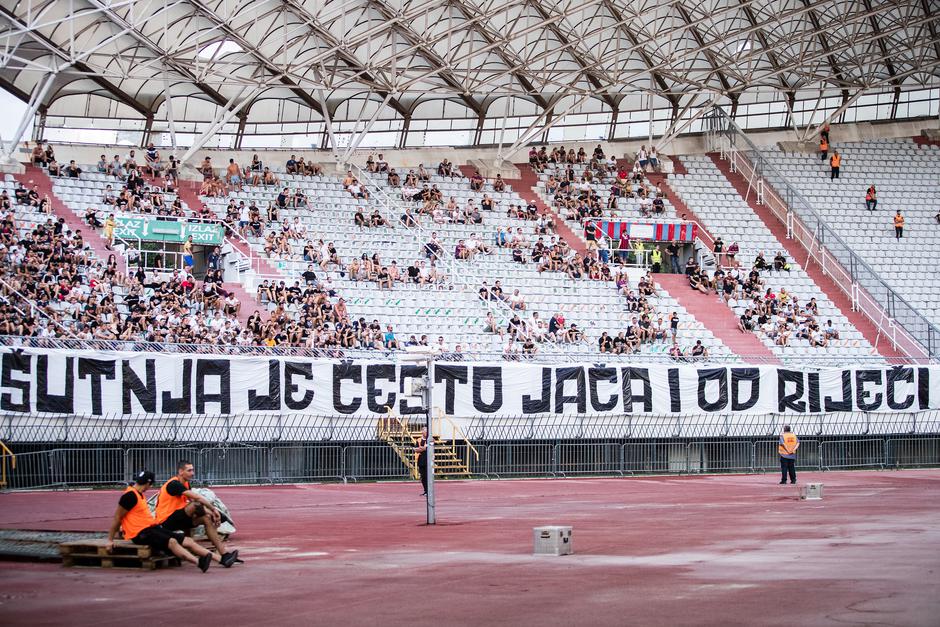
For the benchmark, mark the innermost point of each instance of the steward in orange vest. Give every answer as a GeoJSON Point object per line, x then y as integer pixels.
{"type": "Point", "coordinates": [835, 161]}
{"type": "Point", "coordinates": [898, 225]}
{"type": "Point", "coordinates": [786, 448]}
{"type": "Point", "coordinates": [179, 508]}
{"type": "Point", "coordinates": [823, 148]}
{"type": "Point", "coordinates": [138, 525]}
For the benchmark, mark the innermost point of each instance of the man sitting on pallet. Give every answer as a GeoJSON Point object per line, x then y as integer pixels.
{"type": "Point", "coordinates": [134, 519]}
{"type": "Point", "coordinates": [179, 508]}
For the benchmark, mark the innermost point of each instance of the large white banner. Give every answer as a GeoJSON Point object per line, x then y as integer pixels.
{"type": "Point", "coordinates": [470, 390]}
{"type": "Point", "coordinates": [114, 383]}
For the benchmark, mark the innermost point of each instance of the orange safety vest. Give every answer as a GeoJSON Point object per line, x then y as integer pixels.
{"type": "Point", "coordinates": [137, 518]}
{"type": "Point", "coordinates": [823, 145]}
{"type": "Point", "coordinates": [898, 221]}
{"type": "Point", "coordinates": [835, 161]}
{"type": "Point", "coordinates": [167, 503]}
{"type": "Point", "coordinates": [788, 444]}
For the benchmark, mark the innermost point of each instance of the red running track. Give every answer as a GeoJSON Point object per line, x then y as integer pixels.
{"type": "Point", "coordinates": [712, 550]}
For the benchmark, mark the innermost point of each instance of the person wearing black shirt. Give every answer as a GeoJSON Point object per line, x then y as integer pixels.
{"type": "Point", "coordinates": [309, 276]}
{"type": "Point", "coordinates": [179, 508]}
{"type": "Point", "coordinates": [422, 450]}
{"type": "Point", "coordinates": [672, 249]}
{"type": "Point", "coordinates": [134, 518]}
{"type": "Point", "coordinates": [214, 259]}
{"type": "Point", "coordinates": [73, 171]}
{"type": "Point", "coordinates": [414, 273]}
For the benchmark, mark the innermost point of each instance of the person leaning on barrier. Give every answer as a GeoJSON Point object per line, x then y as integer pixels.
{"type": "Point", "coordinates": [422, 450]}
{"type": "Point", "coordinates": [786, 447]}
{"type": "Point", "coordinates": [138, 525]}
{"type": "Point", "coordinates": [179, 508]}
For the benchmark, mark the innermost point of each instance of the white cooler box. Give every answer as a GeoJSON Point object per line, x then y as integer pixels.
{"type": "Point", "coordinates": [811, 491]}
{"type": "Point", "coordinates": [552, 540]}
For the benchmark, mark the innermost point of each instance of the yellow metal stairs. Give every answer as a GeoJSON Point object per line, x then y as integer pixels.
{"type": "Point", "coordinates": [5, 454]}
{"type": "Point", "coordinates": [451, 456]}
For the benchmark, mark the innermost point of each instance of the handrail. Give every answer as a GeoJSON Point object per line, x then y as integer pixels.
{"type": "Point", "coordinates": [915, 334]}
{"type": "Point", "coordinates": [461, 274]}
{"type": "Point", "coordinates": [7, 288]}
{"type": "Point", "coordinates": [4, 453]}
{"type": "Point", "coordinates": [458, 434]}
{"type": "Point", "coordinates": [546, 355]}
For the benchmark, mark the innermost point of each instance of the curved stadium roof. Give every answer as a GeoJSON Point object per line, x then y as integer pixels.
{"type": "Point", "coordinates": [231, 53]}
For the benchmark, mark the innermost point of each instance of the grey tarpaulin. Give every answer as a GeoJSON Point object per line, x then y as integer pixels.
{"type": "Point", "coordinates": [225, 529]}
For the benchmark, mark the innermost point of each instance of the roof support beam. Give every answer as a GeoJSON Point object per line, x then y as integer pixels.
{"type": "Point", "coordinates": [687, 18]}
{"type": "Point", "coordinates": [539, 125]}
{"type": "Point", "coordinates": [847, 102]}
{"type": "Point", "coordinates": [267, 64]}
{"type": "Point", "coordinates": [886, 57]}
{"type": "Point", "coordinates": [491, 39]}
{"type": "Point", "coordinates": [223, 116]}
{"type": "Point", "coordinates": [446, 74]}
{"type": "Point", "coordinates": [159, 52]}
{"type": "Point", "coordinates": [638, 49]}
{"type": "Point", "coordinates": [35, 101]}
{"type": "Point", "coordinates": [823, 42]}
{"type": "Point", "coordinates": [54, 48]}
{"type": "Point", "coordinates": [314, 25]}
{"type": "Point", "coordinates": [577, 53]}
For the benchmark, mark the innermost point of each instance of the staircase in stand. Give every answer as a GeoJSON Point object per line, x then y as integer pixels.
{"type": "Point", "coordinates": [189, 193]}
{"type": "Point", "coordinates": [717, 318]}
{"type": "Point", "coordinates": [403, 436]}
{"type": "Point", "coordinates": [524, 186]}
{"type": "Point", "coordinates": [682, 210]}
{"type": "Point", "coordinates": [796, 251]}
{"type": "Point", "coordinates": [93, 239]}
{"type": "Point", "coordinates": [246, 299]}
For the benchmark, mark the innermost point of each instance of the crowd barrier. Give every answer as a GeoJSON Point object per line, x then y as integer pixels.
{"type": "Point", "coordinates": [271, 463]}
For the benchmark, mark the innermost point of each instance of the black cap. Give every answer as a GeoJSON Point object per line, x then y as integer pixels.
{"type": "Point", "coordinates": [144, 477]}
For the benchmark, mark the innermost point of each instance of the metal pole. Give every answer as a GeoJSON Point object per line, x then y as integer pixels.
{"type": "Point", "coordinates": [428, 399]}
{"type": "Point", "coordinates": [39, 92]}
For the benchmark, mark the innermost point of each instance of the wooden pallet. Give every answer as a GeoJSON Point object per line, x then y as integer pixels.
{"type": "Point", "coordinates": [126, 554]}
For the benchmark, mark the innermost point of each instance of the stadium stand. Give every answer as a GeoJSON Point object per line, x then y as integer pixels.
{"type": "Point", "coordinates": [905, 175]}
{"type": "Point", "coordinates": [797, 337]}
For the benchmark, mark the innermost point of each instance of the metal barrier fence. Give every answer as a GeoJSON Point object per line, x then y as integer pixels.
{"type": "Point", "coordinates": [548, 353]}
{"type": "Point", "coordinates": [274, 463]}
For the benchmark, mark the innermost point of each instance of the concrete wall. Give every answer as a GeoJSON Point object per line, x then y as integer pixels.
{"type": "Point", "coordinates": [430, 157]}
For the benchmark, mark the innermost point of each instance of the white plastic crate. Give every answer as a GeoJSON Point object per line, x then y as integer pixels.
{"type": "Point", "coordinates": [553, 540]}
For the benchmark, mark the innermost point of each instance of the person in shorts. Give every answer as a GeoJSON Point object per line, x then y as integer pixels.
{"type": "Point", "coordinates": [179, 508]}
{"type": "Point", "coordinates": [138, 525]}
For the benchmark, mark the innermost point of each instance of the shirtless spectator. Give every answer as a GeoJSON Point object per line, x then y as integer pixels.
{"type": "Point", "coordinates": [233, 175]}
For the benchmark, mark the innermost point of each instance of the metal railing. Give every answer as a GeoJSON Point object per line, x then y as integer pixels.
{"type": "Point", "coordinates": [11, 296]}
{"type": "Point", "coordinates": [457, 436]}
{"type": "Point", "coordinates": [5, 453]}
{"type": "Point", "coordinates": [548, 353]}
{"type": "Point", "coordinates": [907, 328]}
{"type": "Point", "coordinates": [459, 273]}
{"type": "Point", "coordinates": [272, 463]}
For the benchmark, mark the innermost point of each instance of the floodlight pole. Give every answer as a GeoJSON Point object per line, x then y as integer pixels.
{"type": "Point", "coordinates": [428, 399]}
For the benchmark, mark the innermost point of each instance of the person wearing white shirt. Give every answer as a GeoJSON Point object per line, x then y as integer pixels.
{"type": "Point", "coordinates": [217, 322]}
{"type": "Point", "coordinates": [516, 301]}
{"type": "Point", "coordinates": [300, 229]}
